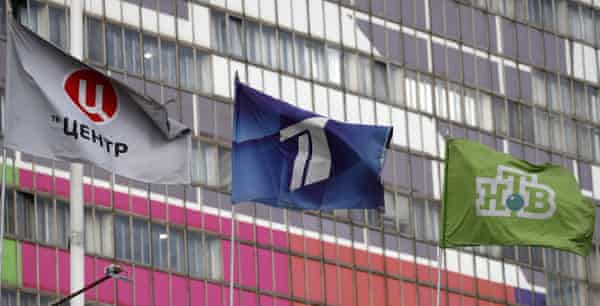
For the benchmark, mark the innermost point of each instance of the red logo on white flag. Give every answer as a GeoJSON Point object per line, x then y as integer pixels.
{"type": "Point", "coordinates": [93, 94]}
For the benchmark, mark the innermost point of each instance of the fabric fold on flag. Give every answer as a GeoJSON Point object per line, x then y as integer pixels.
{"type": "Point", "coordinates": [492, 198]}
{"type": "Point", "coordinates": [288, 157]}
{"type": "Point", "coordinates": [60, 108]}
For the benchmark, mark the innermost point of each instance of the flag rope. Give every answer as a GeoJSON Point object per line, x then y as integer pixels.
{"type": "Point", "coordinates": [231, 257]}
{"type": "Point", "coordinates": [439, 276]}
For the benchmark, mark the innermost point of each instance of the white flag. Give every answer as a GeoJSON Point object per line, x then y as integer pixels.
{"type": "Point", "coordinates": [58, 107]}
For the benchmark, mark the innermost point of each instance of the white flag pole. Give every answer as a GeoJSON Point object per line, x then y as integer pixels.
{"type": "Point", "coordinates": [76, 181]}
{"type": "Point", "coordinates": [232, 255]}
{"type": "Point", "coordinates": [439, 275]}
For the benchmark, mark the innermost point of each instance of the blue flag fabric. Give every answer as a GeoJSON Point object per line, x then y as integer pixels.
{"type": "Point", "coordinates": [287, 157]}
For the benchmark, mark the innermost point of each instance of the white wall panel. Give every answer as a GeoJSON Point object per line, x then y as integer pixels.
{"type": "Point", "coordinates": [185, 30]}
{"type": "Point", "coordinates": [271, 81]}
{"type": "Point", "coordinates": [415, 141]}
{"type": "Point", "coordinates": [429, 132]}
{"type": "Point", "coordinates": [578, 60]}
{"type": "Point", "coordinates": [149, 20]}
{"type": "Point", "coordinates": [399, 122]}
{"type": "Point", "coordinates": [591, 67]}
{"type": "Point", "coordinates": [113, 9]}
{"type": "Point", "coordinates": [201, 25]}
{"type": "Point", "coordinates": [220, 3]}
{"type": "Point", "coordinates": [596, 181]}
{"type": "Point", "coordinates": [320, 100]}
{"type": "Point", "coordinates": [315, 16]}
{"type": "Point", "coordinates": [367, 111]}
{"type": "Point", "coordinates": [336, 105]}
{"type": "Point", "coordinates": [255, 78]}
{"type": "Point", "coordinates": [267, 10]}
{"type": "Point", "coordinates": [235, 5]}
{"type": "Point", "coordinates": [383, 114]}
{"type": "Point", "coordinates": [131, 14]}
{"type": "Point", "coordinates": [252, 8]}
{"type": "Point", "coordinates": [284, 13]}
{"type": "Point", "coordinates": [352, 109]}
{"type": "Point", "coordinates": [166, 24]}
{"type": "Point", "coordinates": [363, 42]}
{"type": "Point", "coordinates": [348, 35]}
{"type": "Point", "coordinates": [332, 15]}
{"type": "Point", "coordinates": [300, 15]}
{"type": "Point", "coordinates": [288, 89]}
{"type": "Point", "coordinates": [94, 6]}
{"type": "Point", "coordinates": [220, 76]}
{"type": "Point", "coordinates": [304, 95]}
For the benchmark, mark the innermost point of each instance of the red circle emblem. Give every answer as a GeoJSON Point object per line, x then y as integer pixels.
{"type": "Point", "coordinates": [93, 94]}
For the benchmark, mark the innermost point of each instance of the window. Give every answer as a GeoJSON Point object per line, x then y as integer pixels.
{"type": "Point", "coordinates": [141, 243]}
{"type": "Point", "coordinates": [25, 216]}
{"type": "Point", "coordinates": [205, 163]}
{"type": "Point", "coordinates": [235, 35]}
{"type": "Point", "coordinates": [9, 297]}
{"type": "Point", "coordinates": [195, 254]}
{"type": "Point", "coordinates": [302, 56]}
{"type": "Point", "coordinates": [397, 213]}
{"type": "Point", "coordinates": [575, 21]}
{"type": "Point", "coordinates": [168, 68]}
{"type": "Point", "coordinates": [381, 86]}
{"type": "Point", "coordinates": [132, 52]}
{"type": "Point", "coordinates": [426, 214]}
{"type": "Point", "coordinates": [570, 136]}
{"type": "Point", "coordinates": [269, 46]}
{"type": "Point", "coordinates": [542, 135]}
{"type": "Point", "coordinates": [396, 85]}
{"type": "Point", "coordinates": [9, 216]}
{"type": "Point", "coordinates": [317, 53]}
{"type": "Point", "coordinates": [58, 26]}
{"type": "Point", "coordinates": [214, 259]}
{"type": "Point", "coordinates": [584, 141]}
{"type": "Point", "coordinates": [557, 133]}
{"type": "Point", "coordinates": [253, 51]}
{"type": "Point", "coordinates": [186, 67]}
{"type": "Point", "coordinates": [219, 31]}
{"type": "Point", "coordinates": [122, 237]}
{"type": "Point", "coordinates": [114, 47]}
{"type": "Point", "coordinates": [364, 76]}
{"type": "Point", "coordinates": [581, 109]}
{"type": "Point", "coordinates": [99, 232]}
{"type": "Point", "coordinates": [588, 25]}
{"type": "Point", "coordinates": [455, 102]}
{"type": "Point", "coordinates": [538, 87]}
{"type": "Point", "coordinates": [286, 51]}
{"type": "Point", "coordinates": [176, 250]}
{"type": "Point", "coordinates": [594, 104]}
{"type": "Point", "coordinates": [535, 12]}
{"type": "Point", "coordinates": [203, 72]}
{"type": "Point", "coordinates": [334, 68]}
{"type": "Point", "coordinates": [95, 48]}
{"type": "Point", "coordinates": [552, 90]}
{"type": "Point", "coordinates": [151, 68]}
{"type": "Point", "coordinates": [160, 238]}
{"type": "Point", "coordinates": [63, 222]}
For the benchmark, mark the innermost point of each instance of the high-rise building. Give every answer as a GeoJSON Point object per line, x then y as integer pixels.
{"type": "Point", "coordinates": [520, 76]}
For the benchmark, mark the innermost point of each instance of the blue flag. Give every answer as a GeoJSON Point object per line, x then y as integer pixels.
{"type": "Point", "coordinates": [287, 157]}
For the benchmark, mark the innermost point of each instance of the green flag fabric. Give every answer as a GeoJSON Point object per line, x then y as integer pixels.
{"type": "Point", "coordinates": [491, 198]}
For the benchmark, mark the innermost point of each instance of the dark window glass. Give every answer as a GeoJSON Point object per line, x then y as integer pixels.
{"type": "Point", "coordinates": [235, 35]}
{"type": "Point", "coordinates": [253, 51]}
{"type": "Point", "coordinates": [219, 31]}
{"type": "Point", "coordinates": [176, 250]}
{"type": "Point", "coordinates": [195, 254]}
{"type": "Point", "coordinates": [151, 62]}
{"type": "Point", "coordinates": [114, 46]}
{"type": "Point", "coordinates": [160, 239]}
{"type": "Point", "coordinates": [168, 64]}
{"type": "Point", "coordinates": [122, 237]}
{"type": "Point", "coordinates": [58, 26]}
{"type": "Point", "coordinates": [141, 242]}
{"type": "Point", "coordinates": [95, 48]}
{"type": "Point", "coordinates": [132, 52]}
{"type": "Point", "coordinates": [25, 215]}
{"type": "Point", "coordinates": [186, 67]}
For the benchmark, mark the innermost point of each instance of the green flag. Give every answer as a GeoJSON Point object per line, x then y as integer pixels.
{"type": "Point", "coordinates": [491, 198]}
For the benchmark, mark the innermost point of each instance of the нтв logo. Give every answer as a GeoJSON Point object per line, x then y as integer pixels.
{"type": "Point", "coordinates": [93, 94]}
{"type": "Point", "coordinates": [313, 161]}
{"type": "Point", "coordinates": [514, 193]}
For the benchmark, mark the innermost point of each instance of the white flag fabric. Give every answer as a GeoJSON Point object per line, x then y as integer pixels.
{"type": "Point", "coordinates": [58, 107]}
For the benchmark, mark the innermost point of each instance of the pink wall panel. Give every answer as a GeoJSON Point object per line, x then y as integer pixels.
{"type": "Point", "coordinates": [331, 284]}
{"type": "Point", "coordinates": [247, 298]}
{"type": "Point", "coordinates": [106, 290]}
{"type": "Point", "coordinates": [280, 239]}
{"type": "Point", "coordinates": [102, 196]}
{"type": "Point", "coordinates": [265, 300]}
{"type": "Point", "coordinates": [125, 289]}
{"type": "Point", "coordinates": [211, 223]}
{"type": "Point", "coordinates": [265, 270]}
{"type": "Point", "coordinates": [282, 273]}
{"type": "Point", "coordinates": [29, 262]}
{"type": "Point", "coordinates": [348, 289]}
{"type": "Point", "coordinates": [43, 182]}
{"type": "Point", "coordinates": [247, 265]}
{"type": "Point", "coordinates": [64, 275]}
{"type": "Point", "coordinates": [362, 288]}
{"type": "Point", "coordinates": [214, 295]}
{"type": "Point", "coordinates": [158, 210]}
{"type": "Point", "coordinates": [315, 280]}
{"type": "Point", "coordinates": [377, 290]}
{"type": "Point", "coordinates": [161, 289]}
{"type": "Point", "coordinates": [121, 201]}
{"type": "Point", "coordinates": [139, 205]}
{"type": "Point", "coordinates": [179, 290]}
{"type": "Point", "coordinates": [280, 302]}
{"type": "Point", "coordinates": [197, 293]}
{"type": "Point", "coordinates": [298, 277]}
{"type": "Point", "coordinates": [226, 262]}
{"type": "Point", "coordinates": [194, 218]}
{"type": "Point", "coordinates": [62, 187]}
{"type": "Point", "coordinates": [263, 235]}
{"type": "Point", "coordinates": [226, 227]}
{"type": "Point", "coordinates": [236, 297]}
{"type": "Point", "coordinates": [176, 215]}
{"type": "Point", "coordinates": [143, 284]}
{"type": "Point", "coordinates": [47, 266]}
{"type": "Point", "coordinates": [426, 296]}
{"type": "Point", "coordinates": [245, 231]}
{"type": "Point", "coordinates": [90, 275]}
{"type": "Point", "coordinates": [26, 179]}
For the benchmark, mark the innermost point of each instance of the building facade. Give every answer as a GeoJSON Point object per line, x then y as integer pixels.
{"type": "Point", "coordinates": [520, 76]}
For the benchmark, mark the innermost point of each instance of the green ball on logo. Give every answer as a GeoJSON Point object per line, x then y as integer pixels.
{"type": "Point", "coordinates": [515, 202]}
